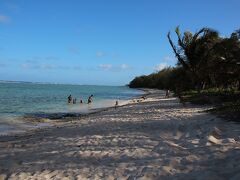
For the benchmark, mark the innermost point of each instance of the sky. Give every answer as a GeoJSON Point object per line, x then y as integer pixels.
{"type": "Point", "coordinates": [100, 42]}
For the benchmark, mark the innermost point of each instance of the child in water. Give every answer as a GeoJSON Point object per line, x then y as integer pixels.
{"type": "Point", "coordinates": [116, 104]}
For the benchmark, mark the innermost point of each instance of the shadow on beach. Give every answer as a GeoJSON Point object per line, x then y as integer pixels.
{"type": "Point", "coordinates": [149, 139]}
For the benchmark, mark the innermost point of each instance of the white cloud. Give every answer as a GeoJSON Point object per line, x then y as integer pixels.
{"type": "Point", "coordinates": [100, 54]}
{"type": "Point", "coordinates": [160, 66]}
{"type": "Point", "coordinates": [25, 66]}
{"type": "Point", "coordinates": [38, 66]}
{"type": "Point", "coordinates": [114, 68]}
{"type": "Point", "coordinates": [124, 66]}
{"type": "Point", "coordinates": [166, 61]}
{"type": "Point", "coordinates": [4, 19]}
{"type": "Point", "coordinates": [105, 66]}
{"type": "Point", "coordinates": [169, 59]}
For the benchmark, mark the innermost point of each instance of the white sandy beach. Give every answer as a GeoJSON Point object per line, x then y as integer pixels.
{"type": "Point", "coordinates": [157, 138]}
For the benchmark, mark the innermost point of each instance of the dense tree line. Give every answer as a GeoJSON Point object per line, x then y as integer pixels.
{"type": "Point", "coordinates": [205, 60]}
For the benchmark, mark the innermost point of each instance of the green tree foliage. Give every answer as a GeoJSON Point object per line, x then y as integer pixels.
{"type": "Point", "coordinates": [205, 60]}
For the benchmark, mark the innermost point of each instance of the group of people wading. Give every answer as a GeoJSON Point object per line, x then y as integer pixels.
{"type": "Point", "coordinates": [74, 100]}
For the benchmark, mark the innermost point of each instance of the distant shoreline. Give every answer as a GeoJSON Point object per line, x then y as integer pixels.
{"type": "Point", "coordinates": [57, 83]}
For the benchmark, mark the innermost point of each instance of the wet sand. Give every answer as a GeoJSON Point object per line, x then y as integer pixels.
{"type": "Point", "coordinates": [156, 138]}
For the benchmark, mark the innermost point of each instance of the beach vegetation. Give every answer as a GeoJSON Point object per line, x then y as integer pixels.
{"type": "Point", "coordinates": [207, 69]}
{"type": "Point", "coordinates": [205, 61]}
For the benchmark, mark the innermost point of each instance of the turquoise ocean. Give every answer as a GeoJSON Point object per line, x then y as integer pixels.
{"type": "Point", "coordinates": [19, 100]}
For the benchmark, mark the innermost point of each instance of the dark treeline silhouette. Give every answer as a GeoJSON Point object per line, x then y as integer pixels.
{"type": "Point", "coordinates": [205, 60]}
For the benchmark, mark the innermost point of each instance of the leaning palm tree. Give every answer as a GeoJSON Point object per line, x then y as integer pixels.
{"type": "Point", "coordinates": [193, 52]}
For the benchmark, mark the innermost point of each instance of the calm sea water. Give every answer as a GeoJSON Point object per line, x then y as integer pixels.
{"type": "Point", "coordinates": [20, 99]}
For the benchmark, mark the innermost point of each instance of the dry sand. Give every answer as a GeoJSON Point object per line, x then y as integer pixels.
{"type": "Point", "coordinates": [155, 139]}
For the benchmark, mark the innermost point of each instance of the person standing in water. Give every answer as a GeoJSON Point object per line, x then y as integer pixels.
{"type": "Point", "coordinates": [74, 101]}
{"type": "Point", "coordinates": [69, 99]}
{"type": "Point", "coordinates": [116, 104]}
{"type": "Point", "coordinates": [90, 99]}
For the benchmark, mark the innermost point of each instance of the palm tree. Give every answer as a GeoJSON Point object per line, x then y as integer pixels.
{"type": "Point", "coordinates": [193, 52]}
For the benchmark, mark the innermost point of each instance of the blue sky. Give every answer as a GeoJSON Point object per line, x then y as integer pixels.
{"type": "Point", "coordinates": [103, 42]}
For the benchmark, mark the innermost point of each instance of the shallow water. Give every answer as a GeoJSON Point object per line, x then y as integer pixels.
{"type": "Point", "coordinates": [18, 100]}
